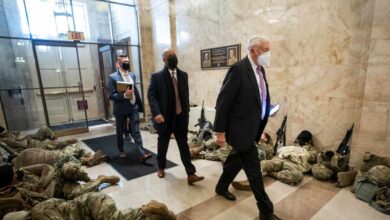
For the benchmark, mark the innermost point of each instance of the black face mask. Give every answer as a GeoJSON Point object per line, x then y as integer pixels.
{"type": "Point", "coordinates": [172, 62]}
{"type": "Point", "coordinates": [125, 66]}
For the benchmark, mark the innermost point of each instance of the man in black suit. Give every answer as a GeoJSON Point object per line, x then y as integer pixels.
{"type": "Point", "coordinates": [242, 111]}
{"type": "Point", "coordinates": [169, 102]}
{"type": "Point", "coordinates": [127, 104]}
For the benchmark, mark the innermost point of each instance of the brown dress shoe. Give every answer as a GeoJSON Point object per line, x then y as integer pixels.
{"type": "Point", "coordinates": [161, 173]}
{"type": "Point", "coordinates": [191, 179]}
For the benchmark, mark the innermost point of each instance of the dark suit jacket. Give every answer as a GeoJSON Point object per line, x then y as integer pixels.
{"type": "Point", "coordinates": [238, 108]}
{"type": "Point", "coordinates": [122, 106]}
{"type": "Point", "coordinates": [161, 98]}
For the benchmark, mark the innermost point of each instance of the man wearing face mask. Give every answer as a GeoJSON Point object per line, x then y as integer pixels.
{"type": "Point", "coordinates": [126, 105]}
{"type": "Point", "coordinates": [169, 102]}
{"type": "Point", "coordinates": [242, 110]}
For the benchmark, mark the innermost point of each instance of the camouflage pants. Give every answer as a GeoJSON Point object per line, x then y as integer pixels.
{"type": "Point", "coordinates": [33, 143]}
{"type": "Point", "coordinates": [86, 207]}
{"type": "Point", "coordinates": [220, 154]}
{"type": "Point", "coordinates": [284, 171]}
{"type": "Point", "coordinates": [38, 156]}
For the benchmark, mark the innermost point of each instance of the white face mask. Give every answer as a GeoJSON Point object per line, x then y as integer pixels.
{"type": "Point", "coordinates": [265, 59]}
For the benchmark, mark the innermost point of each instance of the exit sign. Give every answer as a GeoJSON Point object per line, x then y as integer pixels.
{"type": "Point", "coordinates": [74, 35]}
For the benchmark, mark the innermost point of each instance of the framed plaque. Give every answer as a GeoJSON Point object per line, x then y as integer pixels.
{"type": "Point", "coordinates": [220, 57]}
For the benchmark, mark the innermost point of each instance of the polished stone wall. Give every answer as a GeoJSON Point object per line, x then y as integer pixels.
{"type": "Point", "coordinates": [329, 68]}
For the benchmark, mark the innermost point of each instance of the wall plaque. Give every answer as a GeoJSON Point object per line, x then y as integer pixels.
{"type": "Point", "coordinates": [220, 57]}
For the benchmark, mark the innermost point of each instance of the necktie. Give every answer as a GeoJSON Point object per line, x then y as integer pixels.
{"type": "Point", "coordinates": [176, 88]}
{"type": "Point", "coordinates": [263, 91]}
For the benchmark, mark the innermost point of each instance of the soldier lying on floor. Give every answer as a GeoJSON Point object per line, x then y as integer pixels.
{"type": "Point", "coordinates": [94, 206]}
{"type": "Point", "coordinates": [209, 150]}
{"type": "Point", "coordinates": [37, 156]}
{"type": "Point", "coordinates": [22, 189]}
{"type": "Point", "coordinates": [289, 165]}
{"type": "Point", "coordinates": [44, 138]}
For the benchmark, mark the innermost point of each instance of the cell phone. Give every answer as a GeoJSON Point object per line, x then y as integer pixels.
{"type": "Point", "coordinates": [130, 86]}
{"type": "Point", "coordinates": [274, 109]}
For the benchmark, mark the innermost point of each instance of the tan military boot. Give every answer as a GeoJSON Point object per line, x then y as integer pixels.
{"type": "Point", "coordinates": [157, 210]}
{"type": "Point", "coordinates": [242, 185]}
{"type": "Point", "coordinates": [109, 179]}
{"type": "Point", "coordinates": [98, 158]}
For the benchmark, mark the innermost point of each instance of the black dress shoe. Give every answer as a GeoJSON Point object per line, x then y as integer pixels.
{"type": "Point", "coordinates": [228, 195]}
{"type": "Point", "coordinates": [269, 216]}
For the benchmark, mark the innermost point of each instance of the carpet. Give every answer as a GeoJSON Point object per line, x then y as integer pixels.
{"type": "Point", "coordinates": [78, 124]}
{"type": "Point", "coordinates": [131, 167]}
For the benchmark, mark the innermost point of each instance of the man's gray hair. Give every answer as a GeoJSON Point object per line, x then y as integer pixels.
{"type": "Point", "coordinates": [255, 40]}
{"type": "Point", "coordinates": [165, 52]}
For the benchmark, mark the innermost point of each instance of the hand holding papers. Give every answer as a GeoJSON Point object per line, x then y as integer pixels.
{"type": "Point", "coordinates": [123, 86]}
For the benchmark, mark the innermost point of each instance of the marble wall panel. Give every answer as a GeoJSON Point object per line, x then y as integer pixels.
{"type": "Point", "coordinates": [329, 66]}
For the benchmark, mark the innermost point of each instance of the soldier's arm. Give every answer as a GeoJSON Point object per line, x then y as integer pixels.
{"type": "Point", "coordinates": [44, 171]}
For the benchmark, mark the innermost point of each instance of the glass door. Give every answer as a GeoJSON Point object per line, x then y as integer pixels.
{"type": "Point", "coordinates": [63, 95]}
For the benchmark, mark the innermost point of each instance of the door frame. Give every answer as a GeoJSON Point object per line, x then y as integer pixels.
{"type": "Point", "coordinates": [52, 43]}
{"type": "Point", "coordinates": [103, 48]}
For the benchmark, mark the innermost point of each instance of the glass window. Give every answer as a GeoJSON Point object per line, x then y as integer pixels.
{"type": "Point", "coordinates": [23, 109]}
{"type": "Point", "coordinates": [13, 21]}
{"type": "Point", "coordinates": [93, 18]}
{"type": "Point", "coordinates": [17, 64]}
{"type": "Point", "coordinates": [130, 2]}
{"type": "Point", "coordinates": [124, 23]}
{"type": "Point", "coordinates": [56, 16]}
{"type": "Point", "coordinates": [135, 61]}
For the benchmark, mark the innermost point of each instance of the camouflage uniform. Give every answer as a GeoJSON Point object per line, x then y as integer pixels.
{"type": "Point", "coordinates": [36, 185]}
{"type": "Point", "coordinates": [267, 149]}
{"type": "Point", "coordinates": [370, 160]}
{"type": "Point", "coordinates": [379, 175]}
{"type": "Point", "coordinates": [329, 163]}
{"type": "Point", "coordinates": [26, 143]}
{"type": "Point", "coordinates": [43, 138]}
{"type": "Point", "coordinates": [68, 176]}
{"type": "Point", "coordinates": [97, 206]}
{"type": "Point", "coordinates": [36, 156]}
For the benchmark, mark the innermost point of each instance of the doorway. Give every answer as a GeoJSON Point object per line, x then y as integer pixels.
{"type": "Point", "coordinates": [61, 90]}
{"type": "Point", "coordinates": [107, 58]}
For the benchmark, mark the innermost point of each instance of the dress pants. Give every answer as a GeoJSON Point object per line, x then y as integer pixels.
{"type": "Point", "coordinates": [180, 133]}
{"type": "Point", "coordinates": [134, 129]}
{"type": "Point", "coordinates": [251, 164]}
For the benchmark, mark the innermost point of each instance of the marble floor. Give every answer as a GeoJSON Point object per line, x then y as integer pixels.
{"type": "Point", "coordinates": [311, 199]}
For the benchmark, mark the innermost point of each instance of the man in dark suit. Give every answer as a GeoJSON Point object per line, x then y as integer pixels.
{"type": "Point", "coordinates": [126, 105]}
{"type": "Point", "coordinates": [169, 102]}
{"type": "Point", "coordinates": [242, 111]}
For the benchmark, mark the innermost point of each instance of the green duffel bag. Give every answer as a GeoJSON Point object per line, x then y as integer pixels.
{"type": "Point", "coordinates": [365, 190]}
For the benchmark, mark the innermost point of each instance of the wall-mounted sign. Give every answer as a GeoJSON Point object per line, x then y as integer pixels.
{"type": "Point", "coordinates": [220, 57]}
{"type": "Point", "coordinates": [82, 104]}
{"type": "Point", "coordinates": [74, 35]}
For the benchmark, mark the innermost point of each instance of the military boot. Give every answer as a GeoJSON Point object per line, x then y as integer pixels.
{"type": "Point", "coordinates": [157, 210]}
{"type": "Point", "coordinates": [242, 185]}
{"type": "Point", "coordinates": [109, 179]}
{"type": "Point", "coordinates": [98, 157]}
